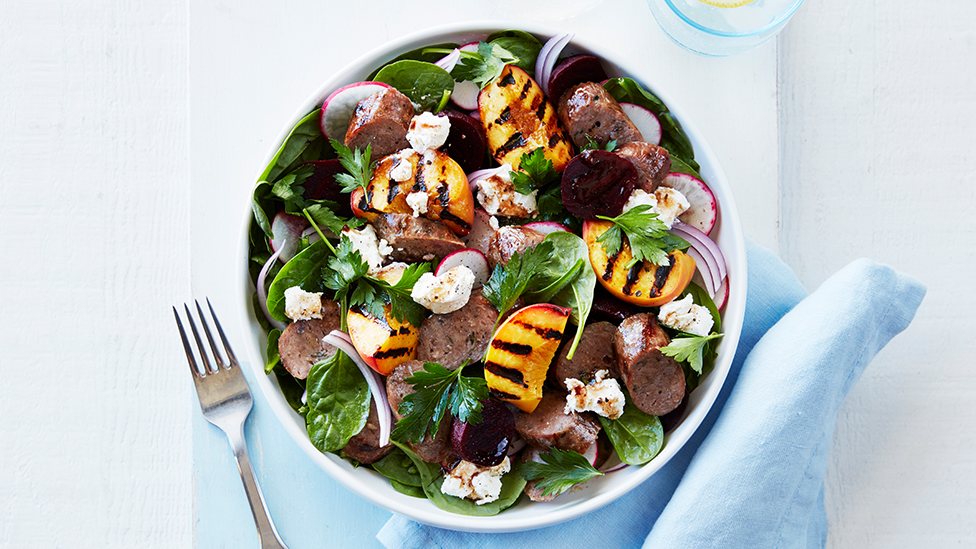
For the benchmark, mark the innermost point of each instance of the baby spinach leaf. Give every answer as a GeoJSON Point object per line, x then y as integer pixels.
{"type": "Point", "coordinates": [338, 402]}
{"type": "Point", "coordinates": [292, 389]}
{"type": "Point", "coordinates": [396, 466]}
{"type": "Point", "coordinates": [432, 478]}
{"type": "Point", "coordinates": [302, 270]}
{"type": "Point", "coordinates": [430, 54]}
{"type": "Point", "coordinates": [424, 83]}
{"type": "Point", "coordinates": [636, 436]}
{"type": "Point", "coordinates": [406, 489]}
{"type": "Point", "coordinates": [525, 47]}
{"type": "Point", "coordinates": [274, 358]}
{"type": "Point", "coordinates": [578, 294]}
{"type": "Point", "coordinates": [304, 133]}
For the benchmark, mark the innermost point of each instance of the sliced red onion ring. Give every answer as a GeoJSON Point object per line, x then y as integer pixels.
{"type": "Point", "coordinates": [708, 249]}
{"type": "Point", "coordinates": [342, 341]}
{"type": "Point", "coordinates": [263, 294]}
{"type": "Point", "coordinates": [615, 468]}
{"type": "Point", "coordinates": [548, 56]}
{"type": "Point", "coordinates": [449, 61]}
{"type": "Point", "coordinates": [706, 271]}
{"type": "Point", "coordinates": [478, 176]}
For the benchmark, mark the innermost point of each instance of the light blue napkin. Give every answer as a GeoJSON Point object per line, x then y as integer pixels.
{"type": "Point", "coordinates": [752, 475]}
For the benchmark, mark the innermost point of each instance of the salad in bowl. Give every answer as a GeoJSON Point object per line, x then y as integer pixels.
{"type": "Point", "coordinates": [498, 281]}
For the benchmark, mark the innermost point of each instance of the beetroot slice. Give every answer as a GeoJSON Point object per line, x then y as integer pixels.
{"type": "Point", "coordinates": [322, 185]}
{"type": "Point", "coordinates": [485, 443]}
{"type": "Point", "coordinates": [466, 141]}
{"type": "Point", "coordinates": [609, 308]}
{"type": "Point", "coordinates": [597, 182]}
{"type": "Point", "coordinates": [574, 70]}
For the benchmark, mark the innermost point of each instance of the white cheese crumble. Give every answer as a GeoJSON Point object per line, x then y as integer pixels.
{"type": "Point", "coordinates": [445, 293]}
{"type": "Point", "coordinates": [602, 395]}
{"type": "Point", "coordinates": [428, 131]}
{"type": "Point", "coordinates": [684, 315]}
{"type": "Point", "coordinates": [373, 250]}
{"type": "Point", "coordinates": [402, 169]}
{"type": "Point", "coordinates": [417, 201]}
{"type": "Point", "coordinates": [481, 484]}
{"type": "Point", "coordinates": [666, 202]}
{"type": "Point", "coordinates": [302, 305]}
{"type": "Point", "coordinates": [498, 196]}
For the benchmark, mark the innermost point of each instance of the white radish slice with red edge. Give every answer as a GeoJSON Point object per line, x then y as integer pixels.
{"type": "Point", "coordinates": [592, 454]}
{"type": "Point", "coordinates": [481, 231]}
{"type": "Point", "coordinates": [465, 94]}
{"type": "Point", "coordinates": [470, 258]}
{"type": "Point", "coordinates": [337, 109]}
{"type": "Point", "coordinates": [313, 235]}
{"type": "Point", "coordinates": [704, 210]}
{"type": "Point", "coordinates": [286, 231]}
{"type": "Point", "coordinates": [547, 227]}
{"type": "Point", "coordinates": [721, 294]}
{"type": "Point", "coordinates": [646, 122]}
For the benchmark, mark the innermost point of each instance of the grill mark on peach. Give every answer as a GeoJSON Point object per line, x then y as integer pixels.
{"type": "Point", "coordinates": [507, 80]}
{"type": "Point", "coordinates": [633, 276]}
{"type": "Point", "coordinates": [544, 333]}
{"type": "Point", "coordinates": [511, 374]}
{"type": "Point", "coordinates": [514, 142]}
{"type": "Point", "coordinates": [446, 215]}
{"type": "Point", "coordinates": [502, 395]}
{"type": "Point", "coordinates": [394, 352]}
{"type": "Point", "coordinates": [520, 349]}
{"type": "Point", "coordinates": [611, 263]}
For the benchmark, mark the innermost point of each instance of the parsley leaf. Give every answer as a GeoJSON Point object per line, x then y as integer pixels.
{"type": "Point", "coordinates": [322, 213]}
{"type": "Point", "coordinates": [559, 471]}
{"type": "Point", "coordinates": [648, 236]}
{"type": "Point", "coordinates": [289, 188]}
{"type": "Point", "coordinates": [688, 348]}
{"type": "Point", "coordinates": [356, 163]}
{"type": "Point", "coordinates": [402, 305]}
{"type": "Point", "coordinates": [485, 66]}
{"type": "Point", "coordinates": [592, 144]}
{"type": "Point", "coordinates": [535, 172]}
{"type": "Point", "coordinates": [344, 268]}
{"type": "Point", "coordinates": [523, 271]}
{"type": "Point", "coordinates": [437, 391]}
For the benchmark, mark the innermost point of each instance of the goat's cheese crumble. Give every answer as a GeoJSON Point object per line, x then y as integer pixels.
{"type": "Point", "coordinates": [428, 131]}
{"type": "Point", "coordinates": [373, 250]}
{"type": "Point", "coordinates": [684, 315]}
{"type": "Point", "coordinates": [445, 293]}
{"type": "Point", "coordinates": [481, 484]}
{"type": "Point", "coordinates": [402, 169]}
{"type": "Point", "coordinates": [302, 305]}
{"type": "Point", "coordinates": [666, 202]}
{"type": "Point", "coordinates": [417, 201]}
{"type": "Point", "coordinates": [602, 395]}
{"type": "Point", "coordinates": [498, 196]}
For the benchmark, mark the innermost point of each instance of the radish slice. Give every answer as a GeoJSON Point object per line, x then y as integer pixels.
{"type": "Point", "coordinates": [481, 231]}
{"type": "Point", "coordinates": [470, 258]}
{"type": "Point", "coordinates": [340, 341]}
{"type": "Point", "coordinates": [476, 114]}
{"type": "Point", "coordinates": [313, 235]}
{"type": "Point", "coordinates": [548, 56]}
{"type": "Point", "coordinates": [722, 294]}
{"type": "Point", "coordinates": [337, 109]}
{"type": "Point", "coordinates": [263, 294]}
{"type": "Point", "coordinates": [466, 92]}
{"type": "Point", "coordinates": [546, 227]}
{"type": "Point", "coordinates": [591, 454]}
{"type": "Point", "coordinates": [704, 209]}
{"type": "Point", "coordinates": [646, 122]}
{"type": "Point", "coordinates": [286, 231]}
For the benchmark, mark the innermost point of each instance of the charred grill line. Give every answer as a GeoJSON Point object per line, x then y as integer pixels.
{"type": "Point", "coordinates": [632, 277]}
{"type": "Point", "coordinates": [502, 395]}
{"type": "Point", "coordinates": [544, 333]}
{"type": "Point", "coordinates": [514, 142]}
{"type": "Point", "coordinates": [418, 181]}
{"type": "Point", "coordinates": [661, 276]}
{"type": "Point", "coordinates": [394, 352]}
{"type": "Point", "coordinates": [506, 80]}
{"type": "Point", "coordinates": [504, 116]}
{"type": "Point", "coordinates": [392, 191]}
{"type": "Point", "coordinates": [611, 262]}
{"type": "Point", "coordinates": [448, 216]}
{"type": "Point", "coordinates": [511, 374]}
{"type": "Point", "coordinates": [443, 194]}
{"type": "Point", "coordinates": [520, 349]}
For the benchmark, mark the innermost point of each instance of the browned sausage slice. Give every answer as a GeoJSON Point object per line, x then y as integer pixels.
{"type": "Point", "coordinates": [432, 449]}
{"type": "Point", "coordinates": [301, 345]}
{"type": "Point", "coordinates": [416, 238]}
{"type": "Point", "coordinates": [451, 339]}
{"type": "Point", "coordinates": [588, 110]}
{"type": "Point", "coordinates": [652, 162]}
{"type": "Point", "coordinates": [381, 120]}
{"type": "Point", "coordinates": [656, 382]}
{"type": "Point", "coordinates": [508, 240]}
{"type": "Point", "coordinates": [549, 426]}
{"type": "Point", "coordinates": [364, 447]}
{"type": "Point", "coordinates": [594, 352]}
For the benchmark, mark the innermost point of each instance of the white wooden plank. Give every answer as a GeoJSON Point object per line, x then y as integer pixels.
{"type": "Point", "coordinates": [876, 120]}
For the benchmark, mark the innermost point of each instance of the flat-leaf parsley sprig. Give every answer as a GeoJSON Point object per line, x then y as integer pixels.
{"type": "Point", "coordinates": [357, 163]}
{"type": "Point", "coordinates": [648, 236]}
{"type": "Point", "coordinates": [437, 392]}
{"type": "Point", "coordinates": [689, 348]}
{"type": "Point", "coordinates": [535, 172]}
{"type": "Point", "coordinates": [485, 65]}
{"type": "Point", "coordinates": [559, 471]}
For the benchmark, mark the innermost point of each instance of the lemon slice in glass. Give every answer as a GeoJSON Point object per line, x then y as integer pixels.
{"type": "Point", "coordinates": [726, 3]}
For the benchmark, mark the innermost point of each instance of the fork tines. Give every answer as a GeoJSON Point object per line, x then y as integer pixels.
{"type": "Point", "coordinates": [219, 362]}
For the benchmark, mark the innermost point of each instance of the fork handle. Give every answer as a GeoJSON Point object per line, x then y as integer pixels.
{"type": "Point", "coordinates": [266, 529]}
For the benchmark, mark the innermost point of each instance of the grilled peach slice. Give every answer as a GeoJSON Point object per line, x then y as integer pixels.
{"type": "Point", "coordinates": [518, 119]}
{"type": "Point", "coordinates": [449, 199]}
{"type": "Point", "coordinates": [644, 284]}
{"type": "Point", "coordinates": [519, 354]}
{"type": "Point", "coordinates": [383, 343]}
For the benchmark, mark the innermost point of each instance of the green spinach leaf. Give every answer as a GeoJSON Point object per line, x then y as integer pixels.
{"type": "Point", "coordinates": [274, 358]}
{"type": "Point", "coordinates": [426, 84]}
{"type": "Point", "coordinates": [303, 270]}
{"type": "Point", "coordinates": [430, 54]}
{"type": "Point", "coordinates": [525, 46]}
{"type": "Point", "coordinates": [578, 294]}
{"type": "Point", "coordinates": [291, 388]}
{"type": "Point", "coordinates": [406, 489]}
{"type": "Point", "coordinates": [636, 436]}
{"type": "Point", "coordinates": [338, 402]}
{"type": "Point", "coordinates": [398, 467]}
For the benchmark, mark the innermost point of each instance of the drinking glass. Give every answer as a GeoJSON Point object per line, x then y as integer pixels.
{"type": "Point", "coordinates": [721, 31]}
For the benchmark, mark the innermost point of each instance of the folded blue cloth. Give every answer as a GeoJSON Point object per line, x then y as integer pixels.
{"type": "Point", "coordinates": [752, 475]}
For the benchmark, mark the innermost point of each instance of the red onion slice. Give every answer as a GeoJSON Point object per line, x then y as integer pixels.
{"type": "Point", "coordinates": [548, 56]}
{"type": "Point", "coordinates": [615, 468]}
{"type": "Point", "coordinates": [342, 341]}
{"type": "Point", "coordinates": [708, 249]}
{"type": "Point", "coordinates": [263, 294]}
{"type": "Point", "coordinates": [706, 271]}
{"type": "Point", "coordinates": [478, 176]}
{"type": "Point", "coordinates": [449, 61]}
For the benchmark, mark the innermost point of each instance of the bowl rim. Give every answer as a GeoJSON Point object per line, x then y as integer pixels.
{"type": "Point", "coordinates": [577, 502]}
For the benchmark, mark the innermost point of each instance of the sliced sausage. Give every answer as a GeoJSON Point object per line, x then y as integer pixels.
{"type": "Point", "coordinates": [451, 339]}
{"type": "Point", "coordinates": [381, 120]}
{"type": "Point", "coordinates": [656, 382]}
{"type": "Point", "coordinates": [364, 447]}
{"type": "Point", "coordinates": [652, 162]}
{"type": "Point", "coordinates": [548, 426]}
{"type": "Point", "coordinates": [416, 238]}
{"type": "Point", "coordinates": [587, 110]}
{"type": "Point", "coordinates": [594, 352]}
{"type": "Point", "coordinates": [301, 345]}
{"type": "Point", "coordinates": [432, 449]}
{"type": "Point", "coordinates": [508, 240]}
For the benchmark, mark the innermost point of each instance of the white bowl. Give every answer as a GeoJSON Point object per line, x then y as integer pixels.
{"type": "Point", "coordinates": [598, 492]}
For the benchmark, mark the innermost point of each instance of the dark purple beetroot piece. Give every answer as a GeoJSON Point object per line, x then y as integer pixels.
{"type": "Point", "coordinates": [597, 182]}
{"type": "Point", "coordinates": [671, 419]}
{"type": "Point", "coordinates": [485, 443]}
{"type": "Point", "coordinates": [466, 142]}
{"type": "Point", "coordinates": [610, 309]}
{"type": "Point", "coordinates": [574, 70]}
{"type": "Point", "coordinates": [322, 185]}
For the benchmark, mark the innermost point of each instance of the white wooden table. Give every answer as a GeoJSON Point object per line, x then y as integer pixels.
{"type": "Point", "coordinates": [131, 132]}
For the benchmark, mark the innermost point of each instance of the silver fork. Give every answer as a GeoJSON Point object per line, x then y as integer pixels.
{"type": "Point", "coordinates": [226, 401]}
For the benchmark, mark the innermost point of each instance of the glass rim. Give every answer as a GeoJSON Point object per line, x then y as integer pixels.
{"type": "Point", "coordinates": [775, 23]}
